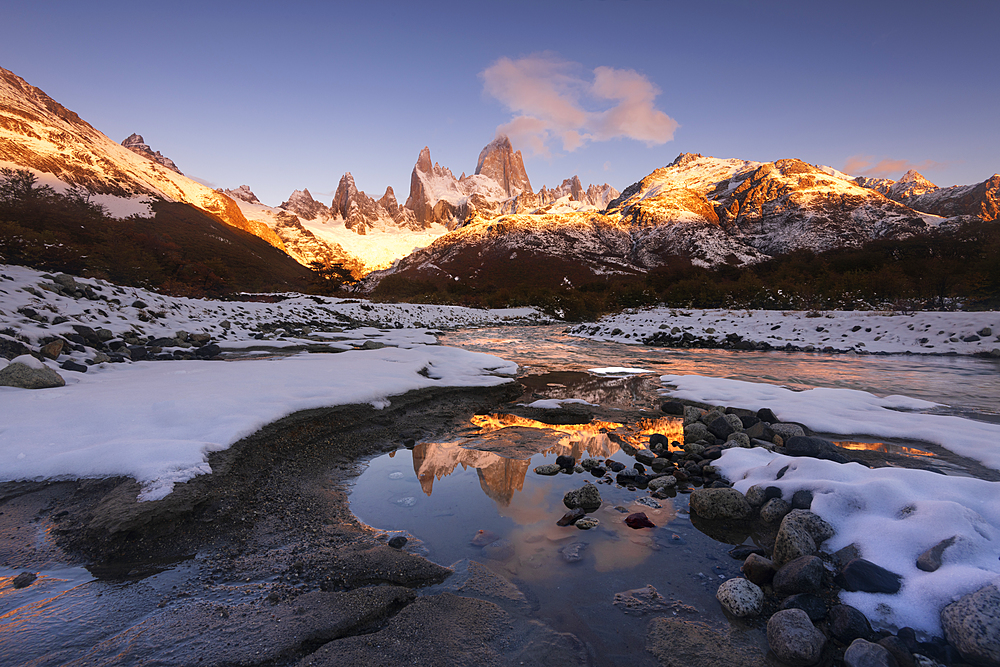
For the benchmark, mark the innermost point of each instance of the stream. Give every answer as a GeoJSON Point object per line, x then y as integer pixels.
{"type": "Point", "coordinates": [606, 583]}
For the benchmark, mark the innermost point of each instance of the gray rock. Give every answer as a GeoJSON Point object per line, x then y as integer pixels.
{"type": "Point", "coordinates": [587, 497]}
{"type": "Point", "coordinates": [70, 365]}
{"type": "Point", "coordinates": [692, 414]}
{"type": "Point", "coordinates": [738, 440]}
{"type": "Point", "coordinates": [645, 456]}
{"type": "Point", "coordinates": [734, 421]}
{"type": "Point", "coordinates": [985, 331]}
{"type": "Point", "coordinates": [756, 496]}
{"type": "Point", "coordinates": [757, 430]}
{"type": "Point", "coordinates": [930, 560]}
{"type": "Point", "coordinates": [767, 415]}
{"type": "Point", "coordinates": [17, 374]}
{"type": "Point", "coordinates": [863, 653]}
{"type": "Point", "coordinates": [547, 469]}
{"type": "Point", "coordinates": [787, 431]}
{"type": "Point", "coordinates": [793, 638]}
{"type": "Point", "coordinates": [972, 625]}
{"type": "Point", "coordinates": [802, 575]}
{"type": "Point", "coordinates": [67, 281]}
{"type": "Point", "coordinates": [694, 432]}
{"type": "Point", "coordinates": [665, 482]}
{"type": "Point", "coordinates": [725, 503]}
{"type": "Point", "coordinates": [587, 522]}
{"type": "Point", "coordinates": [800, 534]}
{"type": "Point", "coordinates": [740, 597]}
{"type": "Point", "coordinates": [774, 510]}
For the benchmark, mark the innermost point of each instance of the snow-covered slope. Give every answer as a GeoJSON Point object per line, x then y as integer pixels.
{"type": "Point", "coordinates": [39, 133]}
{"type": "Point", "coordinates": [326, 238]}
{"type": "Point", "coordinates": [981, 200]}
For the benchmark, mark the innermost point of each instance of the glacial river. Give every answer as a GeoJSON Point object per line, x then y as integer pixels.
{"type": "Point", "coordinates": [605, 584]}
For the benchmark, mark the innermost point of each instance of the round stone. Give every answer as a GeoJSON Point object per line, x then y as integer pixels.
{"type": "Point", "coordinates": [740, 597]}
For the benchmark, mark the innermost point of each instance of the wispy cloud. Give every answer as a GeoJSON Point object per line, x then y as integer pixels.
{"type": "Point", "coordinates": [554, 100]}
{"type": "Point", "coordinates": [868, 165]}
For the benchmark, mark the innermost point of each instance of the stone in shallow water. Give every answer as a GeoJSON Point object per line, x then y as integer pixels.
{"type": "Point", "coordinates": [587, 522]}
{"type": "Point", "coordinates": [802, 575]}
{"type": "Point", "coordinates": [547, 469]}
{"type": "Point", "coordinates": [639, 520]}
{"type": "Point", "coordinates": [587, 497]}
{"type": "Point", "coordinates": [758, 569]}
{"type": "Point", "coordinates": [484, 537]}
{"type": "Point", "coordinates": [499, 550]}
{"type": "Point", "coordinates": [679, 643]}
{"type": "Point", "coordinates": [719, 504]}
{"type": "Point", "coordinates": [571, 517]}
{"type": "Point", "coordinates": [572, 553]}
{"type": "Point", "coordinates": [740, 597]}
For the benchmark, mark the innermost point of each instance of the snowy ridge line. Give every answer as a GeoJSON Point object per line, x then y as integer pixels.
{"type": "Point", "coordinates": [859, 332]}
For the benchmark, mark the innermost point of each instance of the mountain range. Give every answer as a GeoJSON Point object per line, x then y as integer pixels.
{"type": "Point", "coordinates": [492, 225]}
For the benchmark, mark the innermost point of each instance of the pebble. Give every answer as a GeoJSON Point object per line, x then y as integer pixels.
{"type": "Point", "coordinates": [587, 523]}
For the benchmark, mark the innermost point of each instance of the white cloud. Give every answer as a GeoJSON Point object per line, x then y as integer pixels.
{"type": "Point", "coordinates": [556, 100]}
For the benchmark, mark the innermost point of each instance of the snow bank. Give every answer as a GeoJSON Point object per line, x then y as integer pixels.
{"type": "Point", "coordinates": [893, 515]}
{"type": "Point", "coordinates": [158, 421]}
{"type": "Point", "coordinates": [858, 331]}
{"type": "Point", "coordinates": [848, 412]}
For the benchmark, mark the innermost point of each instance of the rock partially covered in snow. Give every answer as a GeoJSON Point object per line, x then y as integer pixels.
{"type": "Point", "coordinates": [800, 534]}
{"type": "Point", "coordinates": [972, 625]}
{"type": "Point", "coordinates": [26, 372]}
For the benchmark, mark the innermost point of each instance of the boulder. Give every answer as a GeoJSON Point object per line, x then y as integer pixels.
{"type": "Point", "coordinates": [694, 432]}
{"type": "Point", "coordinates": [972, 625]}
{"type": "Point", "coordinates": [802, 575]}
{"type": "Point", "coordinates": [847, 624]}
{"type": "Point", "coordinates": [800, 534]}
{"type": "Point", "coordinates": [794, 639]}
{"type": "Point", "coordinates": [736, 439]}
{"type": "Point", "coordinates": [725, 503]}
{"type": "Point", "coordinates": [740, 597]}
{"type": "Point", "coordinates": [774, 510]}
{"type": "Point", "coordinates": [587, 497]}
{"type": "Point", "coordinates": [645, 456]}
{"type": "Point", "coordinates": [755, 495]}
{"type": "Point", "coordinates": [758, 569]}
{"type": "Point", "coordinates": [26, 372]}
{"type": "Point", "coordinates": [863, 653]}
{"type": "Point", "coordinates": [721, 427]}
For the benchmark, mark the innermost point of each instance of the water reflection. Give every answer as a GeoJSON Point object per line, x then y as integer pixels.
{"type": "Point", "coordinates": [502, 473]}
{"type": "Point", "coordinates": [884, 447]}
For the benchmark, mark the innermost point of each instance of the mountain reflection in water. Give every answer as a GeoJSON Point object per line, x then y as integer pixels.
{"type": "Point", "coordinates": [502, 469]}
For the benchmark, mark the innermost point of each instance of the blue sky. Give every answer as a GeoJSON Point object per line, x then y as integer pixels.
{"type": "Point", "coordinates": [292, 95]}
